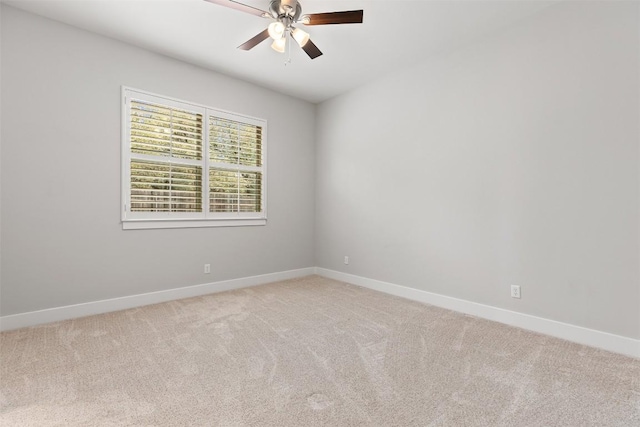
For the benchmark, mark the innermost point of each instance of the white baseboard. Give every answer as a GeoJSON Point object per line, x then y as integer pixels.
{"type": "Point", "coordinates": [115, 304]}
{"type": "Point", "coordinates": [577, 334]}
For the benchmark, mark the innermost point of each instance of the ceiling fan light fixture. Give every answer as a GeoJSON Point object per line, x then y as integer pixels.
{"type": "Point", "coordinates": [279, 45]}
{"type": "Point", "coordinates": [276, 30]}
{"type": "Point", "coordinates": [284, 14]}
{"type": "Point", "coordinates": [300, 36]}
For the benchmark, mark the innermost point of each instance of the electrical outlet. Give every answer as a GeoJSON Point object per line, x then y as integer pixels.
{"type": "Point", "coordinates": [515, 291]}
{"type": "Point", "coordinates": [207, 268]}
{"type": "Point", "coordinates": [346, 260]}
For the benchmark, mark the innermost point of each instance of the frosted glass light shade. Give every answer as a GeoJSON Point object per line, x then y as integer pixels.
{"type": "Point", "coordinates": [279, 45]}
{"type": "Point", "coordinates": [276, 30]}
{"type": "Point", "coordinates": [300, 36]}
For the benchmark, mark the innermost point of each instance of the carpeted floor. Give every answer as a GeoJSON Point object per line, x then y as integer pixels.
{"type": "Point", "coordinates": [306, 352]}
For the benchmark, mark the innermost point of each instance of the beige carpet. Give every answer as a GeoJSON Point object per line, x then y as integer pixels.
{"type": "Point", "coordinates": [306, 352]}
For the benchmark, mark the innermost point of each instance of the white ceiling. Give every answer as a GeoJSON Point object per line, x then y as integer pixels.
{"type": "Point", "coordinates": [395, 33]}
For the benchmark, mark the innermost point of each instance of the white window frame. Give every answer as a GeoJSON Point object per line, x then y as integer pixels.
{"type": "Point", "coordinates": [151, 220]}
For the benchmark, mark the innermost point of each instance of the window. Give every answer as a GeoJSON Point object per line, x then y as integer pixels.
{"type": "Point", "coordinates": [187, 165]}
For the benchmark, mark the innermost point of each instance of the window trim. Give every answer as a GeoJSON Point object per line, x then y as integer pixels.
{"type": "Point", "coordinates": [131, 221]}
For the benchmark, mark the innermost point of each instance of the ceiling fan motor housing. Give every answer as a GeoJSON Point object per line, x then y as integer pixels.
{"type": "Point", "coordinates": [285, 9]}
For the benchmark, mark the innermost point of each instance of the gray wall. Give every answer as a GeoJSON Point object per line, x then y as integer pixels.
{"type": "Point", "coordinates": [512, 161]}
{"type": "Point", "coordinates": [62, 241]}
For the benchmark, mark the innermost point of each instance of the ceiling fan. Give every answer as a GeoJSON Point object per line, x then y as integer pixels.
{"type": "Point", "coordinates": [286, 13]}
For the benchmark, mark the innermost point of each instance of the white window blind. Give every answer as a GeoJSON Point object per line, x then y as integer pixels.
{"type": "Point", "coordinates": [176, 174]}
{"type": "Point", "coordinates": [235, 177]}
{"type": "Point", "coordinates": [169, 136]}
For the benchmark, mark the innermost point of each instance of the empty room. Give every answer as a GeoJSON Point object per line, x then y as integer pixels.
{"type": "Point", "coordinates": [319, 213]}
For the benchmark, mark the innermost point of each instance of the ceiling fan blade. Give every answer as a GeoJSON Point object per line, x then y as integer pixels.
{"type": "Point", "coordinates": [254, 41]}
{"type": "Point", "coordinates": [311, 49]}
{"type": "Point", "coordinates": [346, 17]}
{"type": "Point", "coordinates": [241, 7]}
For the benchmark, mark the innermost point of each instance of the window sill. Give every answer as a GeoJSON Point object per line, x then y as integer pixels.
{"type": "Point", "coordinates": [190, 223]}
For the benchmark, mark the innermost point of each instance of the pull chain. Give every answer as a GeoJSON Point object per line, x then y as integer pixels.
{"type": "Point", "coordinates": [288, 43]}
